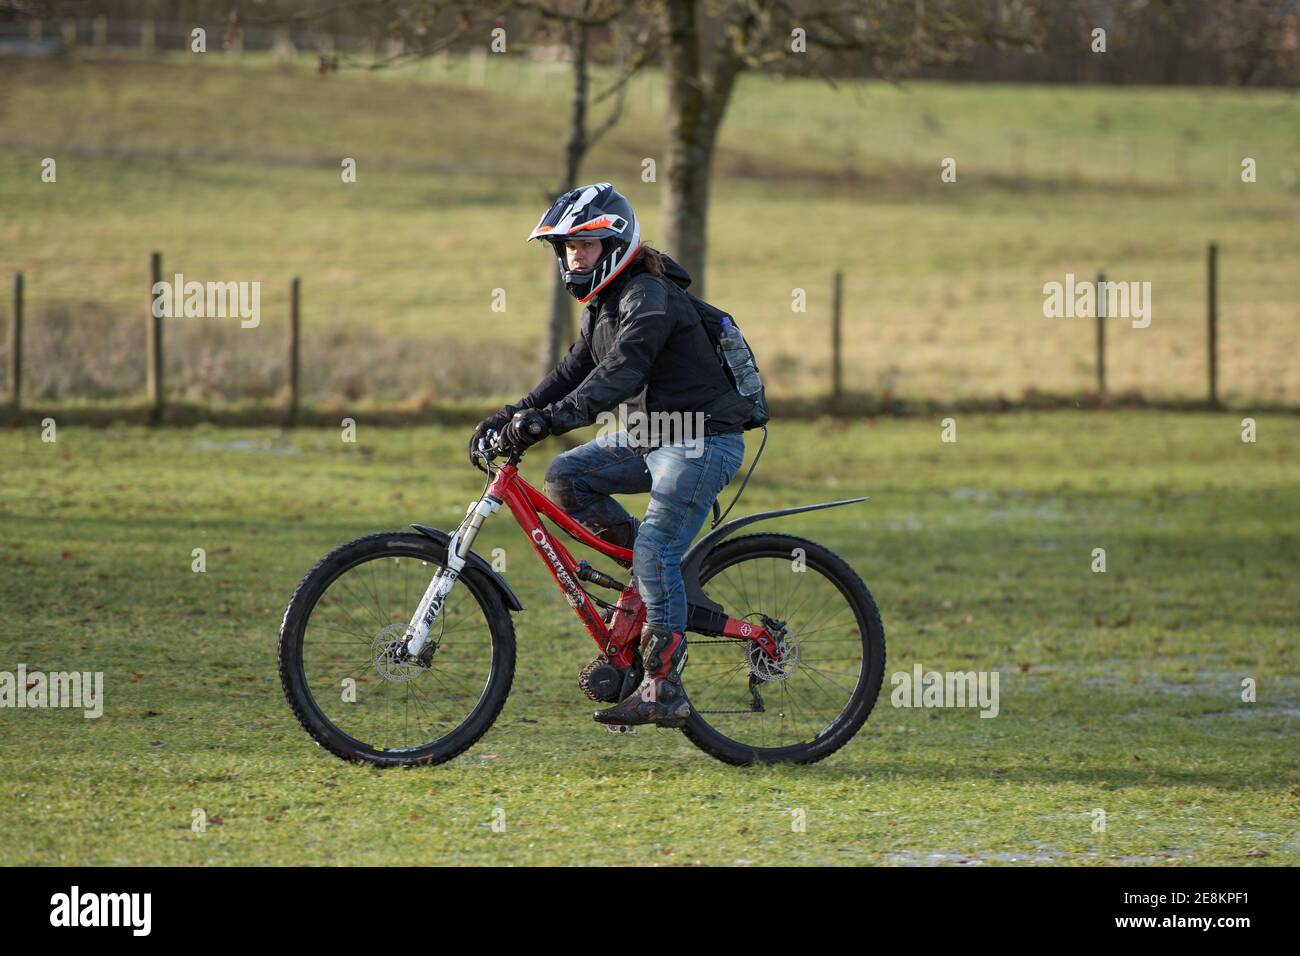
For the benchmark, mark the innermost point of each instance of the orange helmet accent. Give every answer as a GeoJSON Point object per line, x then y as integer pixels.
{"type": "Point", "coordinates": [598, 223]}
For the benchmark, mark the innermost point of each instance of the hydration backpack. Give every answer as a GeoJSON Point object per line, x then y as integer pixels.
{"type": "Point", "coordinates": [736, 359]}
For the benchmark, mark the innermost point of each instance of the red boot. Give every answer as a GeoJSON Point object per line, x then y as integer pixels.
{"type": "Point", "coordinates": [660, 699]}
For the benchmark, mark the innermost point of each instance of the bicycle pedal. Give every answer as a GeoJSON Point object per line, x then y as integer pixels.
{"type": "Point", "coordinates": [620, 728]}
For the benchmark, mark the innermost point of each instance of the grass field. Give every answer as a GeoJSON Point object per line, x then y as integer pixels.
{"type": "Point", "coordinates": [232, 171]}
{"type": "Point", "coordinates": [1119, 691]}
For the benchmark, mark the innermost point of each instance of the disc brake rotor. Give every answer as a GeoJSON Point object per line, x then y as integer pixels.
{"type": "Point", "coordinates": [388, 651]}
{"type": "Point", "coordinates": [763, 665]}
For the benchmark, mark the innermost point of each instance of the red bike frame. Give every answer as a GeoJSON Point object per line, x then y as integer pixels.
{"type": "Point", "coordinates": [525, 502]}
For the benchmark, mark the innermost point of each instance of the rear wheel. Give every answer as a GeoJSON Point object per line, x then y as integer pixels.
{"type": "Point", "coordinates": [747, 707]}
{"type": "Point", "coordinates": [343, 674]}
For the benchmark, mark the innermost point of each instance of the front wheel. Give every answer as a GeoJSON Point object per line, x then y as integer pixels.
{"type": "Point", "coordinates": [342, 668]}
{"type": "Point", "coordinates": [747, 707]}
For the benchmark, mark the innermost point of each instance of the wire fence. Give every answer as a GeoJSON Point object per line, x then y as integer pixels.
{"type": "Point", "coordinates": [1100, 354]}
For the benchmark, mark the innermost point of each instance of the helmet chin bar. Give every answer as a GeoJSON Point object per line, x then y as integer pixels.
{"type": "Point", "coordinates": [579, 283]}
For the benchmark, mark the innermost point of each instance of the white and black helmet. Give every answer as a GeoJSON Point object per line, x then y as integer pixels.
{"type": "Point", "coordinates": [599, 212]}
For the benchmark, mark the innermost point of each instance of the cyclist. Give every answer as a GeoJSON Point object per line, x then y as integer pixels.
{"type": "Point", "coordinates": [642, 347]}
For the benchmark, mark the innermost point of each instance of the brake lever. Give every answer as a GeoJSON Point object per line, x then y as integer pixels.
{"type": "Point", "coordinates": [494, 450]}
{"type": "Point", "coordinates": [486, 451]}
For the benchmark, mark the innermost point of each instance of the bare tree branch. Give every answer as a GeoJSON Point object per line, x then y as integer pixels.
{"type": "Point", "coordinates": [611, 121]}
{"type": "Point", "coordinates": [590, 19]}
{"type": "Point", "coordinates": [649, 44]}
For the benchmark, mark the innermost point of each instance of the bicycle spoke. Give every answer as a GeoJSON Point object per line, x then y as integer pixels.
{"type": "Point", "coordinates": [818, 684]}
{"type": "Point", "coordinates": [360, 629]}
{"type": "Point", "coordinates": [372, 586]}
{"type": "Point", "coordinates": [718, 677]}
{"type": "Point", "coordinates": [817, 689]}
{"type": "Point", "coordinates": [400, 706]}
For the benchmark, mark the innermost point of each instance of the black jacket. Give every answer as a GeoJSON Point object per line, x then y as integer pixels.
{"type": "Point", "coordinates": [642, 343]}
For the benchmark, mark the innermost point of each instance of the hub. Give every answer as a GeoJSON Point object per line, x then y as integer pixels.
{"type": "Point", "coordinates": [762, 665]}
{"type": "Point", "coordinates": [388, 651]}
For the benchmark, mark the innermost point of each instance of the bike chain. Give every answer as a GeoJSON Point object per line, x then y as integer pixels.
{"type": "Point", "coordinates": [726, 640]}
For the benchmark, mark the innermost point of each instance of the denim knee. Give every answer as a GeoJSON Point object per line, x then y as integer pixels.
{"type": "Point", "coordinates": [646, 558]}
{"type": "Point", "coordinates": [559, 483]}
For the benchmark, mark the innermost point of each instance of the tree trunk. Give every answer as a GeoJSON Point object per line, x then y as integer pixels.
{"type": "Point", "coordinates": [695, 111]}
{"type": "Point", "coordinates": [560, 328]}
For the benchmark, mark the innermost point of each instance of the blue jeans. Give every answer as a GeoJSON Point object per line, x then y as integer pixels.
{"type": "Point", "coordinates": [682, 490]}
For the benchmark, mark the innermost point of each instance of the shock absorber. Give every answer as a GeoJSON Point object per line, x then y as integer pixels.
{"type": "Point", "coordinates": [588, 573]}
{"type": "Point", "coordinates": [417, 631]}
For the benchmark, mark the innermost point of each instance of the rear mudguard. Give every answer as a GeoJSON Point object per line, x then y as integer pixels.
{"type": "Point", "coordinates": [702, 614]}
{"type": "Point", "coordinates": [475, 561]}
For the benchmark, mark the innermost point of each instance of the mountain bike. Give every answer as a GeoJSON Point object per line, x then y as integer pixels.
{"type": "Point", "coordinates": [398, 648]}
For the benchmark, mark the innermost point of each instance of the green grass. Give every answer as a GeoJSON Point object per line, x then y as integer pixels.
{"type": "Point", "coordinates": [233, 172]}
{"type": "Point", "coordinates": [1119, 691]}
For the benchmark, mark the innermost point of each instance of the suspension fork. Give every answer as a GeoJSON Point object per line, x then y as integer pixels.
{"type": "Point", "coordinates": [435, 595]}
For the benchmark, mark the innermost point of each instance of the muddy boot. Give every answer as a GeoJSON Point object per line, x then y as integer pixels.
{"type": "Point", "coordinates": [660, 699]}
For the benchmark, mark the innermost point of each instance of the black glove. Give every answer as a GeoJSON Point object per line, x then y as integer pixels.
{"type": "Point", "coordinates": [494, 422]}
{"type": "Point", "coordinates": [527, 427]}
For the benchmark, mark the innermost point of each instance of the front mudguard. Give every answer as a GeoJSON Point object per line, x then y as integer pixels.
{"type": "Point", "coordinates": [476, 562]}
{"type": "Point", "coordinates": [704, 615]}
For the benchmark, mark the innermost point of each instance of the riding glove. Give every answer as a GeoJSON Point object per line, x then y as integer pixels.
{"type": "Point", "coordinates": [495, 422]}
{"type": "Point", "coordinates": [527, 427]}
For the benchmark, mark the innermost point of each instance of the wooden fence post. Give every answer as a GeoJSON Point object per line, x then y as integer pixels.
{"type": "Point", "coordinates": [1101, 337]}
{"type": "Point", "coordinates": [1212, 320]}
{"type": "Point", "coordinates": [154, 370]}
{"type": "Point", "coordinates": [16, 345]}
{"type": "Point", "coordinates": [837, 382]}
{"type": "Point", "coordinates": [295, 343]}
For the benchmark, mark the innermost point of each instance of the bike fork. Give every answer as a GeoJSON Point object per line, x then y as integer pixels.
{"type": "Point", "coordinates": [435, 595]}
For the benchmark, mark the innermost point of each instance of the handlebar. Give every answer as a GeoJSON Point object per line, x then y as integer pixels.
{"type": "Point", "coordinates": [490, 448]}
{"type": "Point", "coordinates": [494, 448]}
